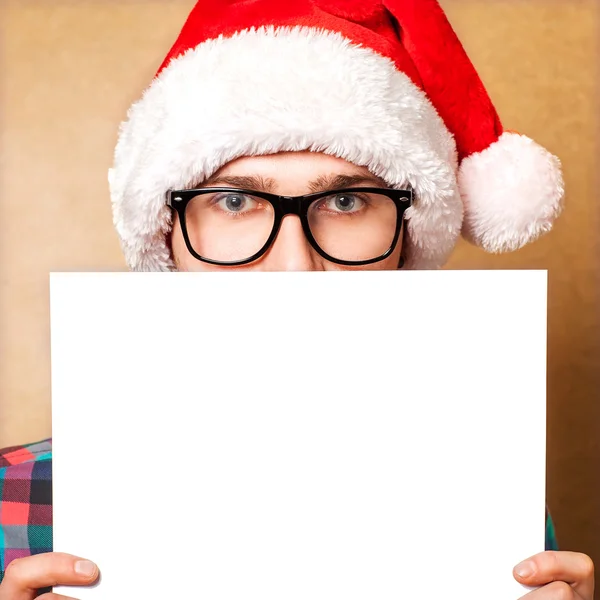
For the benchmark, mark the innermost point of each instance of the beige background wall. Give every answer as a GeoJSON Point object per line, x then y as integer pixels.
{"type": "Point", "coordinates": [70, 69]}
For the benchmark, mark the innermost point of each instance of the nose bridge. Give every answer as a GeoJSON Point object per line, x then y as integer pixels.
{"type": "Point", "coordinates": [291, 205]}
{"type": "Point", "coordinates": [291, 250]}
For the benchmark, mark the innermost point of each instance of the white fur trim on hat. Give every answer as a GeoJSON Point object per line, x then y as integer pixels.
{"type": "Point", "coordinates": [512, 192]}
{"type": "Point", "coordinates": [269, 90]}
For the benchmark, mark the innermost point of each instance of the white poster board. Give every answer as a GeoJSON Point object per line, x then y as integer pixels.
{"type": "Point", "coordinates": [296, 436]}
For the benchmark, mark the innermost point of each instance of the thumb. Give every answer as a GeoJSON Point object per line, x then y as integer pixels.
{"type": "Point", "coordinates": [25, 576]}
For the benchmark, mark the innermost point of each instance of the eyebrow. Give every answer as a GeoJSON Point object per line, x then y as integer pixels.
{"type": "Point", "coordinates": [325, 183]}
{"type": "Point", "coordinates": [248, 182]}
{"type": "Point", "coordinates": [322, 183]}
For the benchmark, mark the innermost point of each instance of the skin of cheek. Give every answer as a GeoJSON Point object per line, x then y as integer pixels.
{"type": "Point", "coordinates": [184, 261]}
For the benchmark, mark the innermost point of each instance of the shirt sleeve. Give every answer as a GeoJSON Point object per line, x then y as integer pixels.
{"type": "Point", "coordinates": [551, 542]}
{"type": "Point", "coordinates": [25, 502]}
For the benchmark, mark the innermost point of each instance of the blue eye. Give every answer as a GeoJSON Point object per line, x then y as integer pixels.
{"type": "Point", "coordinates": [345, 202]}
{"type": "Point", "coordinates": [235, 202]}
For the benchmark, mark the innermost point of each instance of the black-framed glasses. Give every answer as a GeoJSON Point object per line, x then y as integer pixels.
{"type": "Point", "coordinates": [231, 227]}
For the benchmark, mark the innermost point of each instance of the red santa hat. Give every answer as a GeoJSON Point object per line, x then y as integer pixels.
{"type": "Point", "coordinates": [384, 84]}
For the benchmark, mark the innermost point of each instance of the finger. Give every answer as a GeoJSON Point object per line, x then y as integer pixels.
{"type": "Point", "coordinates": [54, 597]}
{"type": "Point", "coordinates": [26, 575]}
{"type": "Point", "coordinates": [558, 590]}
{"type": "Point", "coordinates": [570, 567]}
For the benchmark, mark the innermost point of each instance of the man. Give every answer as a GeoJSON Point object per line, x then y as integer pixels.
{"type": "Point", "coordinates": [307, 135]}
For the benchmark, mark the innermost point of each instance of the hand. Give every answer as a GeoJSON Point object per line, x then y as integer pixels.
{"type": "Point", "coordinates": [562, 575]}
{"type": "Point", "coordinates": [25, 576]}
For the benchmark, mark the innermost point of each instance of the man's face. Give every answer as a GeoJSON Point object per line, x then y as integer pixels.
{"type": "Point", "coordinates": [286, 174]}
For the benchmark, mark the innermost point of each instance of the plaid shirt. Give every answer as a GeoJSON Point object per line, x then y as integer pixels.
{"type": "Point", "coordinates": [26, 503]}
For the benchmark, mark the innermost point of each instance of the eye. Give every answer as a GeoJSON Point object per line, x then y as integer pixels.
{"type": "Point", "coordinates": [236, 203]}
{"type": "Point", "coordinates": [347, 203]}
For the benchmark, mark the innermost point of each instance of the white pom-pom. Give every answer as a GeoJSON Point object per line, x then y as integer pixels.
{"type": "Point", "coordinates": [512, 193]}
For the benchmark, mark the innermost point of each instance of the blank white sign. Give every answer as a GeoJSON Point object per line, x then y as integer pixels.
{"type": "Point", "coordinates": [296, 436]}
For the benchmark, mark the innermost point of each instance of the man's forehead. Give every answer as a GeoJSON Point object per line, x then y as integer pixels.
{"type": "Point", "coordinates": [317, 171]}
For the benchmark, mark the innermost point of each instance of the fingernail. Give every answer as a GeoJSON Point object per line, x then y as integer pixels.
{"type": "Point", "coordinates": [524, 569]}
{"type": "Point", "coordinates": [85, 568]}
